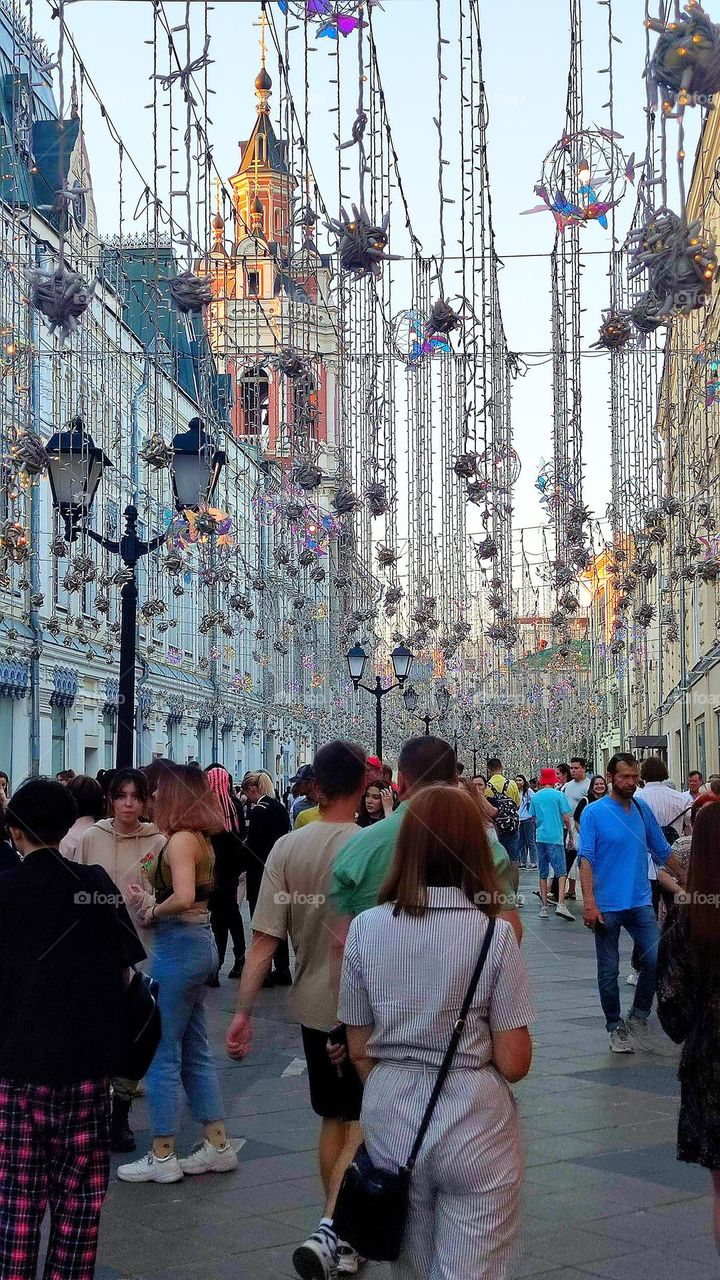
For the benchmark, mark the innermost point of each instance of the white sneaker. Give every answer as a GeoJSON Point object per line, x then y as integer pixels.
{"type": "Point", "coordinates": [544, 913]}
{"type": "Point", "coordinates": [317, 1258]}
{"type": "Point", "coordinates": [205, 1158]}
{"type": "Point", "coordinates": [349, 1260]}
{"type": "Point", "coordinates": [151, 1168]}
{"type": "Point", "coordinates": [632, 978]}
{"type": "Point", "coordinates": [562, 911]}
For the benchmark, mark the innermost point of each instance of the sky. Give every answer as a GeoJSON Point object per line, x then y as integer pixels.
{"type": "Point", "coordinates": [526, 50]}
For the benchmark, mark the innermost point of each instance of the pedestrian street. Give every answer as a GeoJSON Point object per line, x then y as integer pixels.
{"type": "Point", "coordinates": [603, 1196]}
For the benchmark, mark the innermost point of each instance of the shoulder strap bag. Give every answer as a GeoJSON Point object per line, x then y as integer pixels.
{"type": "Point", "coordinates": [372, 1204]}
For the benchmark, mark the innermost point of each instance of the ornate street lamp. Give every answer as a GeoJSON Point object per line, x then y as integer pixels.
{"type": "Point", "coordinates": [195, 467]}
{"type": "Point", "coordinates": [357, 661]}
{"type": "Point", "coordinates": [411, 699]}
{"type": "Point", "coordinates": [75, 470]}
{"type": "Point", "coordinates": [402, 661]}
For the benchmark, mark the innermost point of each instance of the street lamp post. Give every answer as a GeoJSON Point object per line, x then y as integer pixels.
{"type": "Point", "coordinates": [402, 661]}
{"type": "Point", "coordinates": [75, 469]}
{"type": "Point", "coordinates": [411, 699]}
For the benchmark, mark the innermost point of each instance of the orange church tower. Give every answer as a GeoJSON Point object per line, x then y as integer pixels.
{"type": "Point", "coordinates": [271, 304]}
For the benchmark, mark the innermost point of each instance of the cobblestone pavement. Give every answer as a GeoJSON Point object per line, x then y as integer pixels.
{"type": "Point", "coordinates": [604, 1195]}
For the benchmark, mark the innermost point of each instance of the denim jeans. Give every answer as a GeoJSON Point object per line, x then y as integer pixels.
{"type": "Point", "coordinates": [642, 926]}
{"type": "Point", "coordinates": [185, 956]}
{"type": "Point", "coordinates": [528, 848]}
{"type": "Point", "coordinates": [511, 845]}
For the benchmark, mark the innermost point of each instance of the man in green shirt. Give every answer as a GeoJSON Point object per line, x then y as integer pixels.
{"type": "Point", "coordinates": [362, 865]}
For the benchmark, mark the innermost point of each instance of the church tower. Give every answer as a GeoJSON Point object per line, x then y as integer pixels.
{"type": "Point", "coordinates": [271, 298]}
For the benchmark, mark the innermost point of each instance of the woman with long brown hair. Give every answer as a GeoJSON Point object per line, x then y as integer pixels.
{"type": "Point", "coordinates": [184, 957]}
{"type": "Point", "coordinates": [407, 967]}
{"type": "Point", "coordinates": [688, 995]}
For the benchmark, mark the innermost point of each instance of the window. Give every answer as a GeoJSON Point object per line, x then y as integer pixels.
{"type": "Point", "coordinates": [278, 221]}
{"type": "Point", "coordinates": [203, 741]}
{"type": "Point", "coordinates": [59, 725]}
{"type": "Point", "coordinates": [253, 284]}
{"type": "Point", "coordinates": [255, 400]}
{"type": "Point", "coordinates": [304, 403]}
{"type": "Point", "coordinates": [262, 148]}
{"type": "Point", "coordinates": [108, 739]}
{"type": "Point", "coordinates": [700, 752]}
{"type": "Point", "coordinates": [6, 732]}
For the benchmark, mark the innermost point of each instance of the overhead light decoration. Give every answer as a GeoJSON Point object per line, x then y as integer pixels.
{"type": "Point", "coordinates": [685, 65]}
{"type": "Point", "coordinates": [362, 243]}
{"type": "Point", "coordinates": [332, 18]}
{"type": "Point", "coordinates": [583, 178]}
{"type": "Point", "coordinates": [63, 297]}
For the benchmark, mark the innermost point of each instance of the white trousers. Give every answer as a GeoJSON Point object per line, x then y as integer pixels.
{"type": "Point", "coordinates": [465, 1189]}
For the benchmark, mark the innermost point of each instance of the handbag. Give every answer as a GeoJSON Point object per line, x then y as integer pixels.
{"type": "Point", "coordinates": [372, 1205]}
{"type": "Point", "coordinates": [139, 1031]}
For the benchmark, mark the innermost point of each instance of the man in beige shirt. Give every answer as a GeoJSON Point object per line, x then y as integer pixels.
{"type": "Point", "coordinates": [294, 898]}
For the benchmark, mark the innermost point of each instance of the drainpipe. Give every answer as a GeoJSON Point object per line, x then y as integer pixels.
{"type": "Point", "coordinates": [138, 393]}
{"type": "Point", "coordinates": [35, 626]}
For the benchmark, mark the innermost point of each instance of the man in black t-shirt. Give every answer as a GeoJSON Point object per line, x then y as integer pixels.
{"type": "Point", "coordinates": [67, 945]}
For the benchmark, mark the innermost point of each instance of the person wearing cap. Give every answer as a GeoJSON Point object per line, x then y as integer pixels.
{"type": "Point", "coordinates": [303, 791]}
{"type": "Point", "coordinates": [373, 770]}
{"type": "Point", "coordinates": [552, 811]}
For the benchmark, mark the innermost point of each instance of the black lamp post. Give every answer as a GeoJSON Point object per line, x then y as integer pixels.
{"type": "Point", "coordinates": [75, 469]}
{"type": "Point", "coordinates": [411, 699]}
{"type": "Point", "coordinates": [402, 661]}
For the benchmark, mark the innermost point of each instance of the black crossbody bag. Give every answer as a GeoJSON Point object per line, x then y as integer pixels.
{"type": "Point", "coordinates": [372, 1204]}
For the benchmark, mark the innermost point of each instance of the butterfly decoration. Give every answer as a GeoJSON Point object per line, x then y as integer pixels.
{"type": "Point", "coordinates": [334, 17]}
{"type": "Point", "coordinates": [583, 178]}
{"type": "Point", "coordinates": [198, 526]}
{"type": "Point", "coordinates": [567, 214]}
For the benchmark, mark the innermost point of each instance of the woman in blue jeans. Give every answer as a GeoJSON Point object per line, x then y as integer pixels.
{"type": "Point", "coordinates": [528, 847]}
{"type": "Point", "coordinates": [184, 957]}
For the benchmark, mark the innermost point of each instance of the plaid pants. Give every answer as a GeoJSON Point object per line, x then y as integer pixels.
{"type": "Point", "coordinates": [54, 1151]}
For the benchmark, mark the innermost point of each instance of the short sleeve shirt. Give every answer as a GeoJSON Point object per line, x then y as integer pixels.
{"type": "Point", "coordinates": [362, 865]}
{"type": "Point", "coordinates": [393, 980]}
{"type": "Point", "coordinates": [616, 842]}
{"type": "Point", "coordinates": [501, 784]}
{"type": "Point", "coordinates": [547, 808]}
{"type": "Point", "coordinates": [294, 898]}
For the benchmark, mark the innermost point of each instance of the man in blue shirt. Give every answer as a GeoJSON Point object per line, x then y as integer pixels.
{"type": "Point", "coordinates": [552, 812]}
{"type": "Point", "coordinates": [616, 835]}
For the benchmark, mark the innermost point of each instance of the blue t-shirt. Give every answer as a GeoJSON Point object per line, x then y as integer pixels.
{"type": "Point", "coordinates": [547, 808]}
{"type": "Point", "coordinates": [616, 842]}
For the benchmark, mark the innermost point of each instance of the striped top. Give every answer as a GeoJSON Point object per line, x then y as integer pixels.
{"type": "Point", "coordinates": [407, 978]}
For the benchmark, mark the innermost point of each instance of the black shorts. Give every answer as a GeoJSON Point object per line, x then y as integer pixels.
{"type": "Point", "coordinates": [335, 1093]}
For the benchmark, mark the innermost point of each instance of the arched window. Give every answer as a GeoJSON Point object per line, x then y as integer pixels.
{"type": "Point", "coordinates": [255, 400]}
{"type": "Point", "coordinates": [305, 403]}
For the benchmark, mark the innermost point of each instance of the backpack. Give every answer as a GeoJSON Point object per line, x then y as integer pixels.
{"type": "Point", "coordinates": [507, 820]}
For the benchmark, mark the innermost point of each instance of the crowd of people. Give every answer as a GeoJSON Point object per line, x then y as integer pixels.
{"type": "Point", "coordinates": [372, 894]}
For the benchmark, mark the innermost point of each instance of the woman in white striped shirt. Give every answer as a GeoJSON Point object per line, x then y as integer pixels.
{"type": "Point", "coordinates": [407, 966]}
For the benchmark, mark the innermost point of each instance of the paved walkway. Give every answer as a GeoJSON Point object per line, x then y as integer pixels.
{"type": "Point", "coordinates": [604, 1195]}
